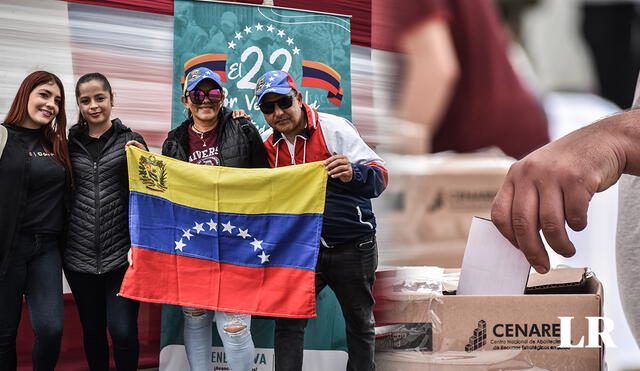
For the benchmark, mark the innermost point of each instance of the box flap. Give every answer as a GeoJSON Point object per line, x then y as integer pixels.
{"type": "Point", "coordinates": [557, 278]}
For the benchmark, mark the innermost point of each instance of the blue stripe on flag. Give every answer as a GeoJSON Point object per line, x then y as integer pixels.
{"type": "Point", "coordinates": [254, 240]}
{"type": "Point", "coordinates": [318, 74]}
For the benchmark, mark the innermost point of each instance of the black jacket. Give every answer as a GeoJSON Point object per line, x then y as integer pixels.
{"type": "Point", "coordinates": [98, 232]}
{"type": "Point", "coordinates": [14, 182]}
{"type": "Point", "coordinates": [239, 143]}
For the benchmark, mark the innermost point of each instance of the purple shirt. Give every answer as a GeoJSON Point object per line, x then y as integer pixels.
{"type": "Point", "coordinates": [203, 149]}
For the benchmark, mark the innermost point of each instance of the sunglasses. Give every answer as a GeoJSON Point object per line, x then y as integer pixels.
{"type": "Point", "coordinates": [197, 96]}
{"type": "Point", "coordinates": [284, 103]}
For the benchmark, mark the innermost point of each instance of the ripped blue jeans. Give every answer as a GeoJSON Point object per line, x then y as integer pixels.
{"type": "Point", "coordinates": [234, 330]}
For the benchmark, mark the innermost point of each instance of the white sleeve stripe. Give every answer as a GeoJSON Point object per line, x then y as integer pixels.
{"type": "Point", "coordinates": [343, 138]}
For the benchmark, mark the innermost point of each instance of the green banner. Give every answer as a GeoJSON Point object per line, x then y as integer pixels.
{"type": "Point", "coordinates": [242, 42]}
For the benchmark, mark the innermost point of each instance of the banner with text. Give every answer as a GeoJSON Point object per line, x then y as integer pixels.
{"type": "Point", "coordinates": [242, 42]}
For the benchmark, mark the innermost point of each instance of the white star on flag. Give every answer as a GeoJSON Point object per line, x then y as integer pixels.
{"type": "Point", "coordinates": [212, 225]}
{"type": "Point", "coordinates": [247, 29]}
{"type": "Point", "coordinates": [198, 227]}
{"type": "Point", "coordinates": [187, 234]}
{"type": "Point", "coordinates": [270, 28]}
{"type": "Point", "coordinates": [289, 40]}
{"type": "Point", "coordinates": [180, 245]}
{"type": "Point", "coordinates": [296, 50]}
{"type": "Point", "coordinates": [271, 78]}
{"type": "Point", "coordinates": [244, 233]}
{"type": "Point", "coordinates": [258, 27]}
{"type": "Point", "coordinates": [232, 45]}
{"type": "Point", "coordinates": [280, 33]}
{"type": "Point", "coordinates": [238, 35]}
{"type": "Point", "coordinates": [263, 257]}
{"type": "Point", "coordinates": [227, 227]}
{"type": "Point", "coordinates": [257, 244]}
{"type": "Point", "coordinates": [268, 85]}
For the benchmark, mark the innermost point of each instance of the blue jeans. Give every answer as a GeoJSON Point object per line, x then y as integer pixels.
{"type": "Point", "coordinates": [349, 270]}
{"type": "Point", "coordinates": [35, 271]}
{"type": "Point", "coordinates": [100, 308]}
{"type": "Point", "coordinates": [235, 333]}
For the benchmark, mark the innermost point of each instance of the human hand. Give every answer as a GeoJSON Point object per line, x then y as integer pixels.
{"type": "Point", "coordinates": [555, 184]}
{"type": "Point", "coordinates": [136, 144]}
{"type": "Point", "coordinates": [240, 113]}
{"type": "Point", "coordinates": [339, 167]}
{"type": "Point", "coordinates": [130, 257]}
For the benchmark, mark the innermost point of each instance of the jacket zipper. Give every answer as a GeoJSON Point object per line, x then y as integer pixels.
{"type": "Point", "coordinates": [96, 235]}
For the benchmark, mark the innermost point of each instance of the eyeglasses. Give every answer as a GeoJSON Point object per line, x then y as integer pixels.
{"type": "Point", "coordinates": [197, 96]}
{"type": "Point", "coordinates": [284, 103]}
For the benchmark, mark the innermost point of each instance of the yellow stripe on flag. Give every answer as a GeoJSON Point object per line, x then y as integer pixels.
{"type": "Point", "coordinates": [287, 190]}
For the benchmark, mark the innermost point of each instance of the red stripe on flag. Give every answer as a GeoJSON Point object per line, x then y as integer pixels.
{"type": "Point", "coordinates": [318, 83]}
{"type": "Point", "coordinates": [171, 279]}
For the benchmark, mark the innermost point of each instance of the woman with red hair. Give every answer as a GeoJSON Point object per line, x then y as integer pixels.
{"type": "Point", "coordinates": [34, 179]}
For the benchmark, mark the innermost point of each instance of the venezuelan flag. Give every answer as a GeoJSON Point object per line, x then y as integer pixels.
{"type": "Point", "coordinates": [336, 99]}
{"type": "Point", "coordinates": [215, 62]}
{"type": "Point", "coordinates": [319, 75]}
{"type": "Point", "coordinates": [235, 240]}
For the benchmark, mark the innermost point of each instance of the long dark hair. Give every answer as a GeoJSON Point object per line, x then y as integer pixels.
{"type": "Point", "coordinates": [54, 137]}
{"type": "Point", "coordinates": [90, 77]}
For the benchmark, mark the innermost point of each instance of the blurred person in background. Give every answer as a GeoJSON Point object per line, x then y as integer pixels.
{"type": "Point", "coordinates": [459, 91]}
{"type": "Point", "coordinates": [95, 257]}
{"type": "Point", "coordinates": [610, 28]}
{"type": "Point", "coordinates": [34, 180]}
{"type": "Point", "coordinates": [214, 135]}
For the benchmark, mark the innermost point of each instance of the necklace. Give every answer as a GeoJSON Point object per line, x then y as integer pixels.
{"type": "Point", "coordinates": [200, 134]}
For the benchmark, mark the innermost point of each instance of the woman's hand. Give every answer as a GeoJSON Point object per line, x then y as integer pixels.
{"type": "Point", "coordinates": [136, 143]}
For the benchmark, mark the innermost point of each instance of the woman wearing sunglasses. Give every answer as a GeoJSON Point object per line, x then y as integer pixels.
{"type": "Point", "coordinates": [212, 136]}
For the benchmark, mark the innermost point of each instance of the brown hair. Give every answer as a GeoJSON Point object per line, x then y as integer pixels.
{"type": "Point", "coordinates": [54, 134]}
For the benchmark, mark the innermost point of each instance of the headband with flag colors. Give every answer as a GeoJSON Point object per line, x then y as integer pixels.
{"type": "Point", "coordinates": [236, 240]}
{"type": "Point", "coordinates": [319, 75]}
{"type": "Point", "coordinates": [215, 62]}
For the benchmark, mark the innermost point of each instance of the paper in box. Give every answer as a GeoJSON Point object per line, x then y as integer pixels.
{"type": "Point", "coordinates": [489, 332]}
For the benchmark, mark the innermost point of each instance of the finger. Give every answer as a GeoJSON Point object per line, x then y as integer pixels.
{"type": "Point", "coordinates": [335, 163]}
{"type": "Point", "coordinates": [576, 205]}
{"type": "Point", "coordinates": [134, 143]}
{"type": "Point", "coordinates": [552, 220]}
{"type": "Point", "coordinates": [336, 172]}
{"type": "Point", "coordinates": [501, 212]}
{"type": "Point", "coordinates": [336, 167]}
{"type": "Point", "coordinates": [330, 160]}
{"type": "Point", "coordinates": [524, 221]}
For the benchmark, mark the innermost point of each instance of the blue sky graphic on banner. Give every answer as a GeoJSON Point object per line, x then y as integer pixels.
{"type": "Point", "coordinates": [244, 41]}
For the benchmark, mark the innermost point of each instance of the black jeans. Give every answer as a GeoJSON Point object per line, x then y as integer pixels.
{"type": "Point", "coordinates": [100, 308]}
{"type": "Point", "coordinates": [35, 271]}
{"type": "Point", "coordinates": [349, 270]}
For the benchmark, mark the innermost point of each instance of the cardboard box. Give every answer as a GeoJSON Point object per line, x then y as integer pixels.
{"type": "Point", "coordinates": [506, 332]}
{"type": "Point", "coordinates": [425, 213]}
